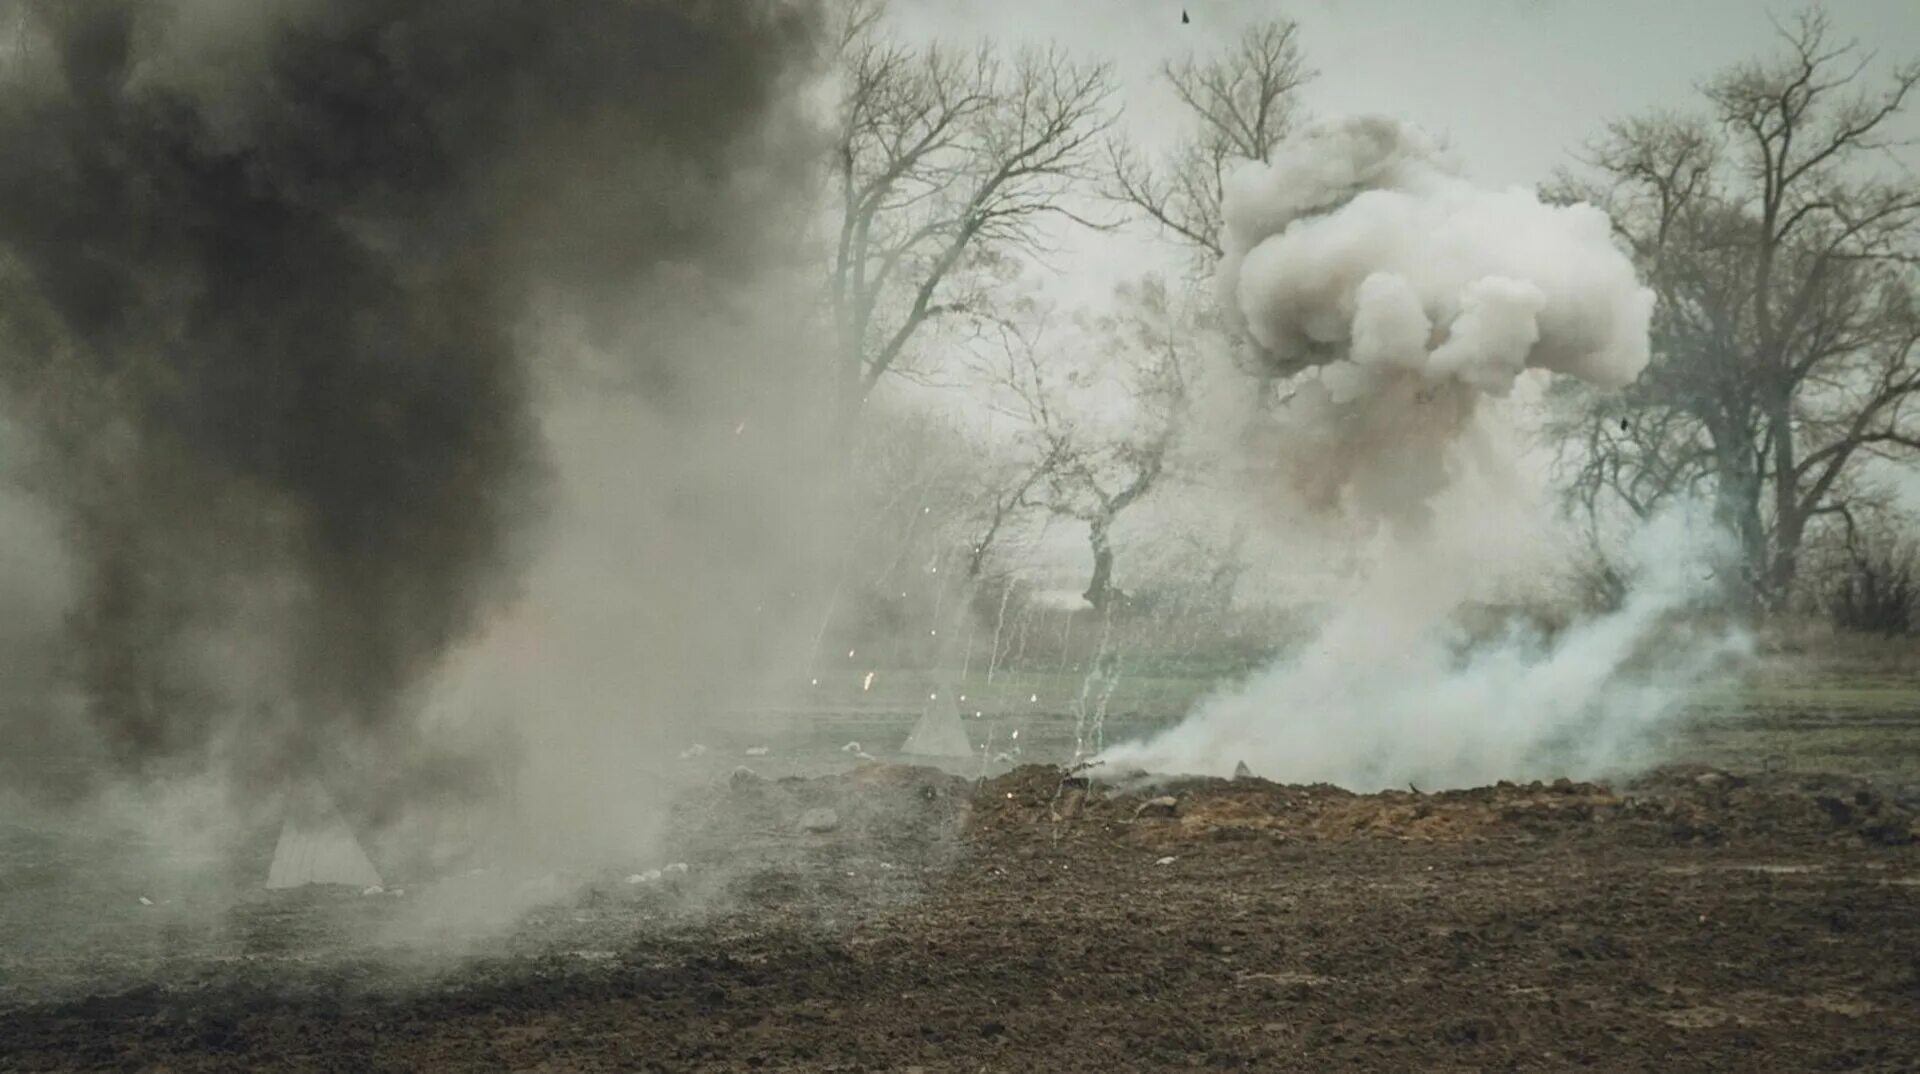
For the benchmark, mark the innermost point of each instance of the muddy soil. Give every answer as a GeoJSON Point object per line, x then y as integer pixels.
{"type": "Point", "coordinates": [1694, 920]}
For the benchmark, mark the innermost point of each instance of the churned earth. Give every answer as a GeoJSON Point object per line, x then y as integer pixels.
{"type": "Point", "coordinates": [1037, 920]}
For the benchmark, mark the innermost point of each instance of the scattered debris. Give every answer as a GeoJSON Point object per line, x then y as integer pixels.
{"type": "Point", "coordinates": [819, 820]}
{"type": "Point", "coordinates": [692, 751]}
{"type": "Point", "coordinates": [144, 901]}
{"type": "Point", "coordinates": [373, 889]}
{"type": "Point", "coordinates": [1164, 806]}
{"type": "Point", "coordinates": [852, 747]}
{"type": "Point", "coordinates": [678, 867]}
{"type": "Point", "coordinates": [756, 751]}
{"type": "Point", "coordinates": [1168, 860]}
{"type": "Point", "coordinates": [647, 877]}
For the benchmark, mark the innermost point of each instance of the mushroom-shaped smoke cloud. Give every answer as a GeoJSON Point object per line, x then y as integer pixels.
{"type": "Point", "coordinates": [1411, 294]}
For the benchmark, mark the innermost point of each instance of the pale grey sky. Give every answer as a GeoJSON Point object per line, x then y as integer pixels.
{"type": "Point", "coordinates": [1515, 86]}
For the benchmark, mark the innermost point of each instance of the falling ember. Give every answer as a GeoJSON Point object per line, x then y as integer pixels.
{"type": "Point", "coordinates": [867, 683]}
{"type": "Point", "coordinates": [1035, 697]}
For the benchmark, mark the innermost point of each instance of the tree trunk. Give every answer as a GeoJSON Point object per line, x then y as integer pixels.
{"type": "Point", "coordinates": [1100, 590]}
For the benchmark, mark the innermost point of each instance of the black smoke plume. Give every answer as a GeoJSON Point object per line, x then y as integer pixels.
{"type": "Point", "coordinates": [267, 271]}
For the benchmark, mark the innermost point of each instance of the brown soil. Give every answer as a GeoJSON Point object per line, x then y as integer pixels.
{"type": "Point", "coordinates": [1693, 920]}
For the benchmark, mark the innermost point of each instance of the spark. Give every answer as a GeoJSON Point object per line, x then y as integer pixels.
{"type": "Point", "coordinates": [1034, 698]}
{"type": "Point", "coordinates": [867, 683]}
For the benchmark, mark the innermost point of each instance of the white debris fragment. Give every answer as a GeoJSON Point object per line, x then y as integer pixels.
{"type": "Point", "coordinates": [692, 751]}
{"type": "Point", "coordinates": [647, 877]}
{"type": "Point", "coordinates": [1164, 806]}
{"type": "Point", "coordinates": [144, 901]}
{"type": "Point", "coordinates": [397, 892]}
{"type": "Point", "coordinates": [678, 867]}
{"type": "Point", "coordinates": [1168, 860]}
{"type": "Point", "coordinates": [863, 755]}
{"type": "Point", "coordinates": [756, 751]}
{"type": "Point", "coordinates": [373, 889]}
{"type": "Point", "coordinates": [1003, 758]}
{"type": "Point", "coordinates": [819, 820]}
{"type": "Point", "coordinates": [851, 747]}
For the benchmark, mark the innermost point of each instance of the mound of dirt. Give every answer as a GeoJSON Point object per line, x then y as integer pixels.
{"type": "Point", "coordinates": [1681, 805]}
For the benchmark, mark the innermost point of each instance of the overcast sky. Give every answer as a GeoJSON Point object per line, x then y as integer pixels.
{"type": "Point", "coordinates": [1515, 85]}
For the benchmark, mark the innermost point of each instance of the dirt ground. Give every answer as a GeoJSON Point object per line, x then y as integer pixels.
{"type": "Point", "coordinates": [1695, 920]}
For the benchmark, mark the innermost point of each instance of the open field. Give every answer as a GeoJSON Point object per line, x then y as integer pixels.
{"type": "Point", "coordinates": [1698, 921]}
{"type": "Point", "coordinates": [1007, 917]}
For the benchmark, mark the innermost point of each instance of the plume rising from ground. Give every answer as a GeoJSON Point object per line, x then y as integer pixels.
{"type": "Point", "coordinates": [297, 295]}
{"type": "Point", "coordinates": [1399, 302]}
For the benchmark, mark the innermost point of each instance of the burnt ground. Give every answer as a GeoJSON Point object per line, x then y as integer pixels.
{"type": "Point", "coordinates": [1694, 920]}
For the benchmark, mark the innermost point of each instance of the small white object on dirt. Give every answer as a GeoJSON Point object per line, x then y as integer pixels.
{"type": "Point", "coordinates": [144, 901]}
{"type": "Point", "coordinates": [1163, 806]}
{"type": "Point", "coordinates": [756, 751]}
{"type": "Point", "coordinates": [863, 755]}
{"type": "Point", "coordinates": [819, 820]}
{"type": "Point", "coordinates": [316, 844]}
{"type": "Point", "coordinates": [939, 733]}
{"type": "Point", "coordinates": [1168, 860]}
{"type": "Point", "coordinates": [1003, 758]}
{"type": "Point", "coordinates": [851, 747]}
{"type": "Point", "coordinates": [647, 877]}
{"type": "Point", "coordinates": [692, 751]}
{"type": "Point", "coordinates": [374, 889]}
{"type": "Point", "coordinates": [676, 867]}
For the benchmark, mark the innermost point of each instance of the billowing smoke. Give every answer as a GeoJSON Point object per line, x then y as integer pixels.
{"type": "Point", "coordinates": [1397, 303]}
{"type": "Point", "coordinates": [1409, 295]}
{"type": "Point", "coordinates": [282, 282]}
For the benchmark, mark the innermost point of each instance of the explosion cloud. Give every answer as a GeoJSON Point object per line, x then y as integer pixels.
{"type": "Point", "coordinates": [1395, 299]}
{"type": "Point", "coordinates": [274, 273]}
{"type": "Point", "coordinates": [1410, 294]}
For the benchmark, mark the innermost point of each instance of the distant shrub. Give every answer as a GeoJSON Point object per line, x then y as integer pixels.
{"type": "Point", "coordinates": [1878, 590]}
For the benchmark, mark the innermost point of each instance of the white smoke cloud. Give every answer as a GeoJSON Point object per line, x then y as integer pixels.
{"type": "Point", "coordinates": [1403, 303]}
{"type": "Point", "coordinates": [1391, 692]}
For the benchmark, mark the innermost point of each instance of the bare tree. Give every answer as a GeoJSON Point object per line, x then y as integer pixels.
{"type": "Point", "coordinates": [1781, 233]}
{"type": "Point", "coordinates": [1148, 344]}
{"type": "Point", "coordinates": [946, 159]}
{"type": "Point", "coordinates": [1241, 103]}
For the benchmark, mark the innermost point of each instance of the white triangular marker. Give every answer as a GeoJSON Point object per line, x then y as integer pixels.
{"type": "Point", "coordinates": [939, 732]}
{"type": "Point", "coordinates": [317, 847]}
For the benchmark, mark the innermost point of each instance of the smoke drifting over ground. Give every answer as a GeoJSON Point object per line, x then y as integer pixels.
{"type": "Point", "coordinates": [293, 290]}
{"type": "Point", "coordinates": [1401, 300]}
